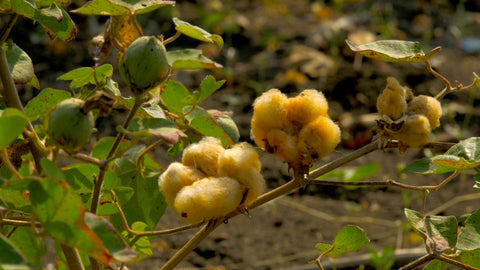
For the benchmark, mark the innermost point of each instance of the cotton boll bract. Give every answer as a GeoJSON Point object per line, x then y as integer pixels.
{"type": "Point", "coordinates": [392, 101]}
{"type": "Point", "coordinates": [306, 107]}
{"type": "Point", "coordinates": [428, 106]}
{"type": "Point", "coordinates": [318, 139]}
{"type": "Point", "coordinates": [209, 198]}
{"type": "Point", "coordinates": [268, 113]}
{"type": "Point", "coordinates": [203, 155]}
{"type": "Point", "coordinates": [175, 178]}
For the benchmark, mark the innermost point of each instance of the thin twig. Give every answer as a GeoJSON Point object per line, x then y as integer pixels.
{"type": "Point", "coordinates": [150, 233]}
{"type": "Point", "coordinates": [172, 38]}
{"type": "Point", "coordinates": [8, 28]}
{"type": "Point", "coordinates": [191, 244]}
{"type": "Point", "coordinates": [454, 262]}
{"type": "Point", "coordinates": [144, 152]}
{"type": "Point", "coordinates": [19, 223]}
{"type": "Point", "coordinates": [438, 75]}
{"type": "Point", "coordinates": [82, 157]}
{"type": "Point", "coordinates": [418, 262]}
{"type": "Point", "coordinates": [73, 258]}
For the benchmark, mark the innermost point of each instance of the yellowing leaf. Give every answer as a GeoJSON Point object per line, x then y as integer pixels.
{"type": "Point", "coordinates": [123, 30]}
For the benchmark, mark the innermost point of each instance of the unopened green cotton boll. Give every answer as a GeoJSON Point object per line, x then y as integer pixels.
{"type": "Point", "coordinates": [69, 126]}
{"type": "Point", "coordinates": [144, 64]}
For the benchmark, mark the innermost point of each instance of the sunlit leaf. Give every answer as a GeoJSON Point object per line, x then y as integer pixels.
{"type": "Point", "coordinates": [19, 63]}
{"type": "Point", "coordinates": [128, 103]}
{"type": "Point", "coordinates": [45, 3]}
{"type": "Point", "coordinates": [109, 237]}
{"type": "Point", "coordinates": [115, 7]}
{"type": "Point", "coordinates": [196, 32]}
{"type": "Point", "coordinates": [453, 162]}
{"type": "Point", "coordinates": [87, 75]}
{"type": "Point", "coordinates": [175, 97]}
{"type": "Point", "coordinates": [469, 149]}
{"type": "Point", "coordinates": [39, 106]}
{"type": "Point", "coordinates": [190, 59]}
{"type": "Point", "coordinates": [54, 19]}
{"type": "Point", "coordinates": [203, 122]}
{"type": "Point", "coordinates": [394, 51]}
{"type": "Point", "coordinates": [469, 236]}
{"type": "Point", "coordinates": [350, 238]}
{"type": "Point", "coordinates": [208, 86]}
{"type": "Point", "coordinates": [12, 122]}
{"type": "Point", "coordinates": [5, 5]}
{"type": "Point", "coordinates": [476, 80]}
{"type": "Point", "coordinates": [154, 127]}
{"type": "Point", "coordinates": [10, 256]}
{"type": "Point", "coordinates": [142, 246]}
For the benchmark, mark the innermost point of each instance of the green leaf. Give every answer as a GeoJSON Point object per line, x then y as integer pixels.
{"type": "Point", "coordinates": [87, 75]}
{"type": "Point", "coordinates": [127, 103]}
{"type": "Point", "coordinates": [39, 106]}
{"type": "Point", "coordinates": [147, 204]}
{"type": "Point", "coordinates": [476, 177]}
{"type": "Point", "coordinates": [203, 122]}
{"type": "Point", "coordinates": [350, 238]}
{"type": "Point", "coordinates": [10, 256]}
{"type": "Point", "coordinates": [60, 211]}
{"type": "Point", "coordinates": [394, 51]}
{"type": "Point", "coordinates": [51, 169]}
{"type": "Point", "coordinates": [208, 86]}
{"type": "Point", "coordinates": [476, 80]}
{"type": "Point", "coordinates": [469, 236]}
{"type": "Point", "coordinates": [80, 176]}
{"type": "Point", "coordinates": [116, 7]}
{"type": "Point", "coordinates": [468, 149]}
{"type": "Point", "coordinates": [436, 265]}
{"type": "Point", "coordinates": [154, 127]}
{"type": "Point", "coordinates": [471, 258]}
{"type": "Point", "coordinates": [109, 237]}
{"type": "Point", "coordinates": [19, 63]}
{"type": "Point", "coordinates": [385, 260]}
{"type": "Point", "coordinates": [353, 174]}
{"type": "Point", "coordinates": [44, 3]}
{"type": "Point", "coordinates": [196, 32]}
{"type": "Point", "coordinates": [190, 59]}
{"type": "Point", "coordinates": [425, 166]}
{"type": "Point", "coordinates": [454, 162]}
{"type": "Point", "coordinates": [103, 146]}
{"type": "Point", "coordinates": [5, 6]}
{"type": "Point", "coordinates": [142, 246]}
{"type": "Point", "coordinates": [29, 245]}
{"type": "Point", "coordinates": [440, 232]}
{"type": "Point", "coordinates": [175, 96]}
{"type": "Point", "coordinates": [54, 19]}
{"type": "Point", "coordinates": [16, 198]}
{"type": "Point", "coordinates": [12, 122]}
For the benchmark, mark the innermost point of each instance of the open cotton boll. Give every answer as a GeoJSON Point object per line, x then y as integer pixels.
{"type": "Point", "coordinates": [209, 198]}
{"type": "Point", "coordinates": [175, 178]}
{"type": "Point", "coordinates": [204, 155]}
{"type": "Point", "coordinates": [283, 145]}
{"type": "Point", "coordinates": [428, 106]}
{"type": "Point", "coordinates": [242, 163]}
{"type": "Point", "coordinates": [318, 139]}
{"type": "Point", "coordinates": [392, 101]}
{"type": "Point", "coordinates": [268, 113]}
{"type": "Point", "coordinates": [415, 132]}
{"type": "Point", "coordinates": [306, 107]}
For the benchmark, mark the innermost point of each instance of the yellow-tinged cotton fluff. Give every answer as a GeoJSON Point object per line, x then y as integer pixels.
{"type": "Point", "coordinates": [175, 178]}
{"type": "Point", "coordinates": [242, 163]}
{"type": "Point", "coordinates": [415, 132]}
{"type": "Point", "coordinates": [283, 145]}
{"type": "Point", "coordinates": [428, 106]}
{"type": "Point", "coordinates": [306, 107]}
{"type": "Point", "coordinates": [209, 198]}
{"type": "Point", "coordinates": [392, 101]}
{"type": "Point", "coordinates": [318, 139]}
{"type": "Point", "coordinates": [268, 113]}
{"type": "Point", "coordinates": [204, 155]}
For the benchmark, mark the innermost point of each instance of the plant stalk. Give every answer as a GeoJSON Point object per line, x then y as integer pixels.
{"type": "Point", "coordinates": [73, 258]}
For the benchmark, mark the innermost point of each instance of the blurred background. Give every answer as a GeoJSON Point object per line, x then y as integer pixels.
{"type": "Point", "coordinates": [294, 45]}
